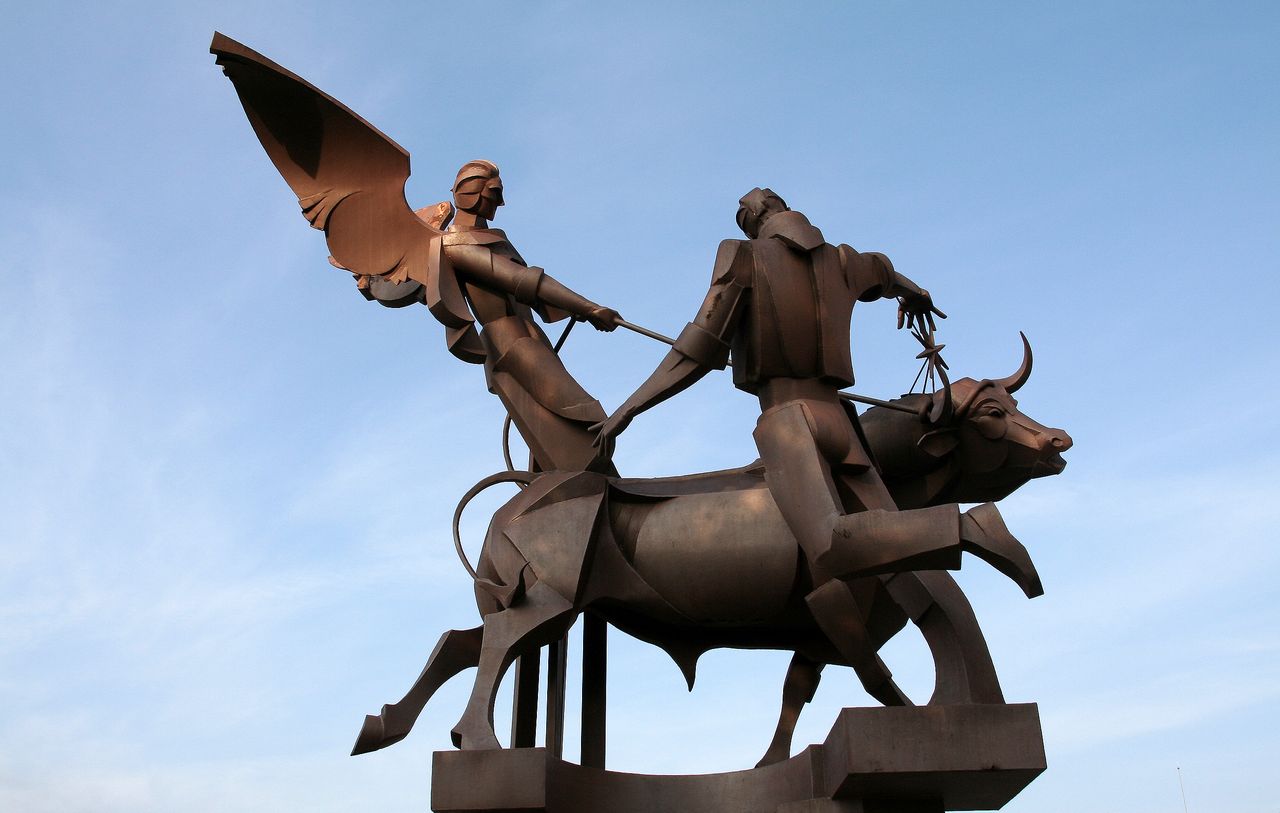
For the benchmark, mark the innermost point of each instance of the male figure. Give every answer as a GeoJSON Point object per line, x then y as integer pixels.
{"type": "Point", "coordinates": [477, 276]}
{"type": "Point", "coordinates": [781, 302]}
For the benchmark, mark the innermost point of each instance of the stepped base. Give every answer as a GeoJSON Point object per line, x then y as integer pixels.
{"type": "Point", "coordinates": [920, 759]}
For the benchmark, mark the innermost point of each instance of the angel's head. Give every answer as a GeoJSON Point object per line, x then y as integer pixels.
{"type": "Point", "coordinates": [478, 189]}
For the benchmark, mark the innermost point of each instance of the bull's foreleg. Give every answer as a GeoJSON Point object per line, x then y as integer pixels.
{"type": "Point", "coordinates": [964, 672]}
{"type": "Point", "coordinates": [798, 689]}
{"type": "Point", "coordinates": [543, 616]}
{"type": "Point", "coordinates": [840, 618]}
{"type": "Point", "coordinates": [456, 650]}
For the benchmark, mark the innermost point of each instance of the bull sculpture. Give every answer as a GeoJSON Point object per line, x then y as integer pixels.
{"type": "Point", "coordinates": [634, 550]}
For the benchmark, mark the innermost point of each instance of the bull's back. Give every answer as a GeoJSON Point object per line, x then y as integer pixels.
{"type": "Point", "coordinates": [723, 557]}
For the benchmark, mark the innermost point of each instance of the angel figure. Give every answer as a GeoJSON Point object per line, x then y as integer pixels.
{"type": "Point", "coordinates": [350, 178]}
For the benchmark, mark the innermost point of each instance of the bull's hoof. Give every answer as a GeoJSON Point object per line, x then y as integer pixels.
{"type": "Point", "coordinates": [889, 694]}
{"type": "Point", "coordinates": [471, 738]}
{"type": "Point", "coordinates": [778, 752]}
{"type": "Point", "coordinates": [370, 736]}
{"type": "Point", "coordinates": [984, 534]}
{"type": "Point", "coordinates": [374, 735]}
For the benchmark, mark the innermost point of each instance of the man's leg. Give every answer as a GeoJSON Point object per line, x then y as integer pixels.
{"type": "Point", "coordinates": [799, 478]}
{"type": "Point", "coordinates": [837, 544]}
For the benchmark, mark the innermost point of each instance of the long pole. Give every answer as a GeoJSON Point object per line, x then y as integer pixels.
{"type": "Point", "coordinates": [1183, 789]}
{"type": "Point", "coordinates": [848, 396]}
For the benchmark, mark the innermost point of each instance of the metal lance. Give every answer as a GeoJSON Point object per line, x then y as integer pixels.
{"type": "Point", "coordinates": [848, 396]}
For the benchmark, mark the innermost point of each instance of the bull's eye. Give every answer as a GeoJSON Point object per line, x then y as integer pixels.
{"type": "Point", "coordinates": [991, 423]}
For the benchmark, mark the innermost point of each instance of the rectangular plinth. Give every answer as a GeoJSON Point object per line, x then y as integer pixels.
{"type": "Point", "coordinates": [973, 757]}
{"type": "Point", "coordinates": [513, 780]}
{"type": "Point", "coordinates": [919, 759]}
{"type": "Point", "coordinates": [526, 780]}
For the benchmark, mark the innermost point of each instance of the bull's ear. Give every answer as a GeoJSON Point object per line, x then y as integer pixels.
{"type": "Point", "coordinates": [938, 442]}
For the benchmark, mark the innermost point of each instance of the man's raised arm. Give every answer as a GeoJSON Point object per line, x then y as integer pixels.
{"type": "Point", "coordinates": [702, 346]}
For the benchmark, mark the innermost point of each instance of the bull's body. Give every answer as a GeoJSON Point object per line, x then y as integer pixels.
{"type": "Point", "coordinates": [640, 554]}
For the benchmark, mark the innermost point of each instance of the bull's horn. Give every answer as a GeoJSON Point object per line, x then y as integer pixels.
{"type": "Point", "coordinates": [1015, 381]}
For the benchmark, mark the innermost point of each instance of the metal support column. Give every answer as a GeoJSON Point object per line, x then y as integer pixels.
{"type": "Point", "coordinates": [557, 673]}
{"type": "Point", "coordinates": [524, 701]}
{"type": "Point", "coordinates": [594, 677]}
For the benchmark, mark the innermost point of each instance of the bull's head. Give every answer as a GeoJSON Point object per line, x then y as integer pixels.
{"type": "Point", "coordinates": [970, 443]}
{"type": "Point", "coordinates": [996, 447]}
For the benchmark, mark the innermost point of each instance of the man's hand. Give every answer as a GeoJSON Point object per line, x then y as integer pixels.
{"type": "Point", "coordinates": [602, 318]}
{"type": "Point", "coordinates": [609, 429]}
{"type": "Point", "coordinates": [915, 309]}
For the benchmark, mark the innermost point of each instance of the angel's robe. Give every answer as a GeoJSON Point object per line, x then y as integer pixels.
{"type": "Point", "coordinates": [481, 290]}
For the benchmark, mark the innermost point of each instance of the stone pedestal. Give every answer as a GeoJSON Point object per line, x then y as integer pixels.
{"type": "Point", "coordinates": [921, 759]}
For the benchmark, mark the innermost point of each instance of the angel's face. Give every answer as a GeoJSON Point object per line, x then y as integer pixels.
{"type": "Point", "coordinates": [491, 198]}
{"type": "Point", "coordinates": [481, 195]}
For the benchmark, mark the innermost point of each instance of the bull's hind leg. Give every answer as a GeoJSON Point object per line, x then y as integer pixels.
{"type": "Point", "coordinates": [541, 618]}
{"type": "Point", "coordinates": [456, 650]}
{"type": "Point", "coordinates": [798, 689]}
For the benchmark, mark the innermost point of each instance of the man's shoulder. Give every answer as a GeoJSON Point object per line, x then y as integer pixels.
{"type": "Point", "coordinates": [794, 230]}
{"type": "Point", "coordinates": [733, 263]}
{"type": "Point", "coordinates": [730, 248]}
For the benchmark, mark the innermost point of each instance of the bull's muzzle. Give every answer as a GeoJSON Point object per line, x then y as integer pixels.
{"type": "Point", "coordinates": [1055, 443]}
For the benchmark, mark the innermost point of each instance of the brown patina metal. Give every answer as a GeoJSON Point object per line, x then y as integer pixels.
{"type": "Point", "coordinates": [658, 542]}
{"type": "Point", "coordinates": [826, 546]}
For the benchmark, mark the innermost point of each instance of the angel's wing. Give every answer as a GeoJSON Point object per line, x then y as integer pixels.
{"type": "Point", "coordinates": [349, 179]}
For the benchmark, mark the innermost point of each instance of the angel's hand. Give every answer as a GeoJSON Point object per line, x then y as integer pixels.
{"type": "Point", "coordinates": [605, 319]}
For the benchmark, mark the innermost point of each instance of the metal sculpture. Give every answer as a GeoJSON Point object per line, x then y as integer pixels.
{"type": "Point", "coordinates": [641, 551]}
{"type": "Point", "coordinates": [826, 546]}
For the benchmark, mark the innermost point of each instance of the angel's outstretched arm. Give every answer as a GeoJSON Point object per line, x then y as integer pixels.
{"type": "Point", "coordinates": [528, 284]}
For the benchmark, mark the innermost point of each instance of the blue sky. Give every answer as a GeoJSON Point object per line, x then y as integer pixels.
{"type": "Point", "coordinates": [227, 479]}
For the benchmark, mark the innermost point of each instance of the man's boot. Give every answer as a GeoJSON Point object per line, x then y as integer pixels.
{"type": "Point", "coordinates": [874, 542]}
{"type": "Point", "coordinates": [877, 542]}
{"type": "Point", "coordinates": [984, 534]}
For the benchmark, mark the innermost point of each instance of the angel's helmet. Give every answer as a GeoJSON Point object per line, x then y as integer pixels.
{"type": "Point", "coordinates": [757, 206]}
{"type": "Point", "coordinates": [478, 189]}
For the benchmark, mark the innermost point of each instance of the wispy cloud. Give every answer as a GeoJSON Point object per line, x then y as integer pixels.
{"type": "Point", "coordinates": [226, 481]}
